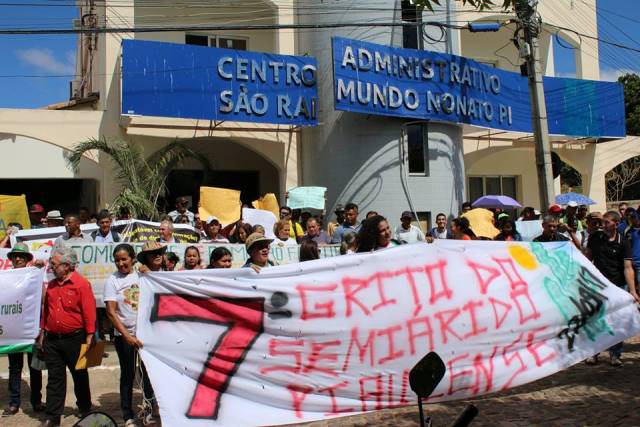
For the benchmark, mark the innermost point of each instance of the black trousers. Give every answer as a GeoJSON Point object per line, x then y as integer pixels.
{"type": "Point", "coordinates": [61, 353]}
{"type": "Point", "coordinates": [127, 356]}
{"type": "Point", "coordinates": [16, 363]}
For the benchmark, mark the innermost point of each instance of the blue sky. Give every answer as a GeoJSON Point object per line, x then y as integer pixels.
{"type": "Point", "coordinates": [54, 55]}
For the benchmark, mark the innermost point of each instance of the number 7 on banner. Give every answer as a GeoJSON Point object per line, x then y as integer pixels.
{"type": "Point", "coordinates": [243, 316]}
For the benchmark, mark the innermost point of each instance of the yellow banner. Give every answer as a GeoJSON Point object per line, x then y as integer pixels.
{"type": "Point", "coordinates": [268, 202]}
{"type": "Point", "coordinates": [13, 209]}
{"type": "Point", "coordinates": [222, 203]}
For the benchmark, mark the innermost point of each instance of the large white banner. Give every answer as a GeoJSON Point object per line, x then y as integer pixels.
{"type": "Point", "coordinates": [20, 301]}
{"type": "Point", "coordinates": [336, 336]}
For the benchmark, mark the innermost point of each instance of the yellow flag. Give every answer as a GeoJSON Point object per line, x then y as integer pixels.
{"type": "Point", "coordinates": [222, 203]}
{"type": "Point", "coordinates": [13, 209]}
{"type": "Point", "coordinates": [268, 202]}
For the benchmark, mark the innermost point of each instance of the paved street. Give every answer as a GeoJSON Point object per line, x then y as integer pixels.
{"type": "Point", "coordinates": [580, 396]}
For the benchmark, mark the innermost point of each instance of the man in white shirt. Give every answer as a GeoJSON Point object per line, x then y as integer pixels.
{"type": "Point", "coordinates": [73, 235]}
{"type": "Point", "coordinates": [407, 232]}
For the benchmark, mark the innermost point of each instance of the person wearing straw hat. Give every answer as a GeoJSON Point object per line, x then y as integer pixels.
{"type": "Point", "coordinates": [151, 257]}
{"type": "Point", "coordinates": [258, 247]}
{"type": "Point", "coordinates": [20, 257]}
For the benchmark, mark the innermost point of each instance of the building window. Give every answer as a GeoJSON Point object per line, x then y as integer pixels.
{"type": "Point", "coordinates": [416, 137]}
{"type": "Point", "coordinates": [410, 13]}
{"type": "Point", "coordinates": [479, 186]}
{"type": "Point", "coordinates": [227, 42]}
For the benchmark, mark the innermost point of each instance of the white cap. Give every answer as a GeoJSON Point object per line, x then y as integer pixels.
{"type": "Point", "coordinates": [572, 204]}
{"type": "Point", "coordinates": [212, 218]}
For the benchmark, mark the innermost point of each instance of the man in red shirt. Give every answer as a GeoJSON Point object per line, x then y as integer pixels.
{"type": "Point", "coordinates": [68, 321]}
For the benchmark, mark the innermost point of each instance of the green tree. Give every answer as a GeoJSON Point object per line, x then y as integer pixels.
{"type": "Point", "coordinates": [478, 4]}
{"type": "Point", "coordinates": [631, 83]}
{"type": "Point", "coordinates": [143, 180]}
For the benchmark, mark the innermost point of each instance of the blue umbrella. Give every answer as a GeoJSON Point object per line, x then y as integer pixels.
{"type": "Point", "coordinates": [580, 199]}
{"type": "Point", "coordinates": [504, 202]}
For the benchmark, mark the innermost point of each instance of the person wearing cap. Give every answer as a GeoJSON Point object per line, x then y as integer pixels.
{"type": "Point", "coordinates": [555, 210]}
{"type": "Point", "coordinates": [36, 216]}
{"type": "Point", "coordinates": [54, 219]}
{"type": "Point", "coordinates": [151, 257]}
{"type": "Point", "coordinates": [550, 230]}
{"type": "Point", "coordinates": [258, 247]}
{"type": "Point", "coordinates": [295, 229]}
{"type": "Point", "coordinates": [528, 214]}
{"type": "Point", "coordinates": [349, 225]}
{"type": "Point", "coordinates": [20, 257]}
{"type": "Point", "coordinates": [68, 321]}
{"type": "Point", "coordinates": [73, 235]}
{"type": "Point", "coordinates": [407, 232]}
{"type": "Point", "coordinates": [212, 229]}
{"type": "Point", "coordinates": [182, 204]}
{"type": "Point", "coordinates": [331, 227]}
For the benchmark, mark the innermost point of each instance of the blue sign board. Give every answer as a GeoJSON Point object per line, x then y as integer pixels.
{"type": "Point", "coordinates": [196, 82]}
{"type": "Point", "coordinates": [376, 79]}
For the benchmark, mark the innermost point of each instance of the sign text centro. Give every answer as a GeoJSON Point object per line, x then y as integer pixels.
{"type": "Point", "coordinates": [375, 79]}
{"type": "Point", "coordinates": [171, 80]}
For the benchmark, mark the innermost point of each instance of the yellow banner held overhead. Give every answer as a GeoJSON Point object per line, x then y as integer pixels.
{"type": "Point", "coordinates": [13, 209]}
{"type": "Point", "coordinates": [222, 203]}
{"type": "Point", "coordinates": [268, 202]}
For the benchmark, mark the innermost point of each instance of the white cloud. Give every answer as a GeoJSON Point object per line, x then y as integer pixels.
{"type": "Point", "coordinates": [45, 60]}
{"type": "Point", "coordinates": [611, 74]}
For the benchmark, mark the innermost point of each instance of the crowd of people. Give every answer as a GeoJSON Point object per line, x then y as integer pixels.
{"type": "Point", "coordinates": [611, 240]}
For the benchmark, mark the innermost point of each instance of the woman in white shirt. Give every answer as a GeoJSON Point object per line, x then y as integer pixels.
{"type": "Point", "coordinates": [282, 230]}
{"type": "Point", "coordinates": [121, 292]}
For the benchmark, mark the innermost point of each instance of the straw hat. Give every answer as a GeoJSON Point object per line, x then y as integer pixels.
{"type": "Point", "coordinates": [150, 248]}
{"type": "Point", "coordinates": [255, 238]}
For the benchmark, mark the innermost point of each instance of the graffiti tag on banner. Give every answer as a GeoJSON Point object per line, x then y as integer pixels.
{"type": "Point", "coordinates": [20, 302]}
{"type": "Point", "coordinates": [95, 260]}
{"type": "Point", "coordinates": [336, 336]}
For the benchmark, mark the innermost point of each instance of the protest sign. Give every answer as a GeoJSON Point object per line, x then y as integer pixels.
{"type": "Point", "coordinates": [260, 217]}
{"type": "Point", "coordinates": [268, 202]}
{"type": "Point", "coordinates": [529, 230]}
{"type": "Point", "coordinates": [20, 302]}
{"type": "Point", "coordinates": [306, 197]}
{"type": "Point", "coordinates": [13, 209]}
{"type": "Point", "coordinates": [331, 337]}
{"type": "Point", "coordinates": [222, 203]}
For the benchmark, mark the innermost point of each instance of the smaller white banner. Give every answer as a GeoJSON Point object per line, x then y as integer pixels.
{"type": "Point", "coordinates": [20, 302]}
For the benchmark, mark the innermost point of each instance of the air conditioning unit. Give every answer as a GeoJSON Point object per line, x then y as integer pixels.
{"type": "Point", "coordinates": [75, 87]}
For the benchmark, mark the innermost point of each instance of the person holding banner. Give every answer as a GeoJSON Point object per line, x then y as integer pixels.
{"type": "Point", "coordinates": [20, 257]}
{"type": "Point", "coordinates": [121, 292]}
{"type": "Point", "coordinates": [220, 258]}
{"type": "Point", "coordinates": [68, 321]}
{"type": "Point", "coordinates": [151, 257]}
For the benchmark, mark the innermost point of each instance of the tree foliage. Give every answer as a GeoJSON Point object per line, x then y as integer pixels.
{"type": "Point", "coordinates": [478, 4]}
{"type": "Point", "coordinates": [631, 83]}
{"type": "Point", "coordinates": [142, 179]}
{"type": "Point", "coordinates": [627, 173]}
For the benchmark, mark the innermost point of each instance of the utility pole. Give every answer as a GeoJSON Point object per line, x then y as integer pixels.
{"type": "Point", "coordinates": [531, 25]}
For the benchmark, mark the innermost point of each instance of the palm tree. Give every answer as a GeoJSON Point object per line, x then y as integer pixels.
{"type": "Point", "coordinates": [143, 180]}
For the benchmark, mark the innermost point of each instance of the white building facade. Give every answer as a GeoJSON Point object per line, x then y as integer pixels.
{"type": "Point", "coordinates": [383, 164]}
